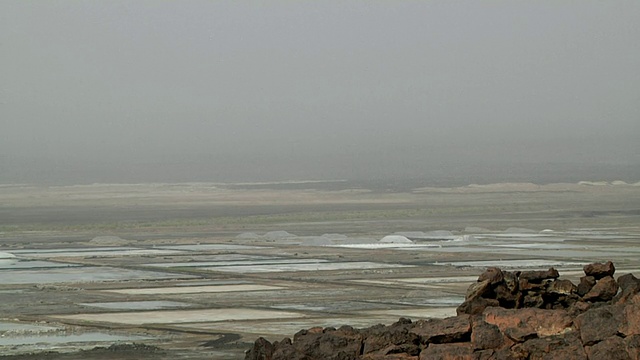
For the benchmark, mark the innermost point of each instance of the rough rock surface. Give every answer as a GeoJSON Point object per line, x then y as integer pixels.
{"type": "Point", "coordinates": [505, 315]}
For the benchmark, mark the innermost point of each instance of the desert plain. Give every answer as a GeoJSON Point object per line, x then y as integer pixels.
{"type": "Point", "coordinates": [200, 270]}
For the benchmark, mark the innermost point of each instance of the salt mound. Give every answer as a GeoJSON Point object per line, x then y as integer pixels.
{"type": "Point", "coordinates": [248, 235]}
{"type": "Point", "coordinates": [6, 256]}
{"type": "Point", "coordinates": [109, 240]}
{"type": "Point", "coordinates": [431, 235]}
{"type": "Point", "coordinates": [395, 239]}
{"type": "Point", "coordinates": [276, 235]}
{"type": "Point", "coordinates": [475, 229]}
{"type": "Point", "coordinates": [593, 183]}
{"type": "Point", "coordinates": [517, 230]}
{"type": "Point", "coordinates": [464, 238]}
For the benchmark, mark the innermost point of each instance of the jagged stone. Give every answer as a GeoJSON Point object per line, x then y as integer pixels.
{"type": "Point", "coordinates": [562, 287]}
{"type": "Point", "coordinates": [600, 270]}
{"type": "Point", "coordinates": [631, 325]}
{"type": "Point", "coordinates": [461, 351]}
{"type": "Point", "coordinates": [612, 348]}
{"type": "Point", "coordinates": [585, 285]}
{"type": "Point", "coordinates": [486, 336]}
{"type": "Point", "coordinates": [493, 274]}
{"type": "Point", "coordinates": [629, 287]}
{"type": "Point", "coordinates": [262, 350]}
{"type": "Point", "coordinates": [393, 339]}
{"type": "Point", "coordinates": [598, 324]}
{"type": "Point", "coordinates": [566, 347]}
{"type": "Point", "coordinates": [478, 289]}
{"type": "Point", "coordinates": [542, 322]}
{"type": "Point", "coordinates": [539, 276]}
{"type": "Point", "coordinates": [441, 331]}
{"type": "Point", "coordinates": [633, 346]}
{"type": "Point", "coordinates": [604, 290]}
{"type": "Point", "coordinates": [476, 306]}
{"type": "Point", "coordinates": [533, 300]}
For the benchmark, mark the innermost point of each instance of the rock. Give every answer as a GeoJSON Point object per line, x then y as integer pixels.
{"type": "Point", "coordinates": [478, 289]}
{"type": "Point", "coordinates": [629, 285]}
{"type": "Point", "coordinates": [506, 297]}
{"type": "Point", "coordinates": [511, 281]}
{"type": "Point", "coordinates": [539, 276]}
{"type": "Point", "coordinates": [448, 352]}
{"type": "Point", "coordinates": [493, 274]}
{"type": "Point", "coordinates": [440, 331]}
{"type": "Point", "coordinates": [476, 306]}
{"type": "Point", "coordinates": [261, 350]}
{"type": "Point", "coordinates": [534, 300]}
{"type": "Point", "coordinates": [612, 348]}
{"type": "Point", "coordinates": [586, 283]}
{"type": "Point", "coordinates": [604, 290]}
{"type": "Point", "coordinates": [394, 339]}
{"type": "Point", "coordinates": [329, 343]}
{"type": "Point", "coordinates": [488, 336]}
{"type": "Point", "coordinates": [600, 270]}
{"type": "Point", "coordinates": [566, 347]}
{"type": "Point", "coordinates": [631, 325]}
{"type": "Point", "coordinates": [578, 308]}
{"type": "Point", "coordinates": [562, 287]}
{"type": "Point", "coordinates": [542, 322]}
{"type": "Point", "coordinates": [633, 346]}
{"type": "Point", "coordinates": [598, 324]}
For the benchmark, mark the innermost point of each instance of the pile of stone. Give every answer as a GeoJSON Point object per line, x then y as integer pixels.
{"type": "Point", "coordinates": [540, 289]}
{"type": "Point", "coordinates": [506, 315]}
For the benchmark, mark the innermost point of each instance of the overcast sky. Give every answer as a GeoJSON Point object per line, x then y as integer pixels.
{"type": "Point", "coordinates": [266, 90]}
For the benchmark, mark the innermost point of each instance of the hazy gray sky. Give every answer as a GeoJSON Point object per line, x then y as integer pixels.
{"type": "Point", "coordinates": [257, 90]}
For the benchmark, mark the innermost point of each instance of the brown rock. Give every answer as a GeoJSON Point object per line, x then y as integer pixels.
{"type": "Point", "coordinates": [562, 287]}
{"type": "Point", "coordinates": [566, 347]}
{"type": "Point", "coordinates": [629, 285]}
{"type": "Point", "coordinates": [539, 276]}
{"type": "Point", "coordinates": [586, 283]}
{"type": "Point", "coordinates": [493, 274]}
{"type": "Point", "coordinates": [533, 300]}
{"type": "Point", "coordinates": [476, 306]}
{"type": "Point", "coordinates": [506, 297]}
{"type": "Point", "coordinates": [393, 339]}
{"type": "Point", "coordinates": [631, 325]}
{"type": "Point", "coordinates": [542, 322]}
{"type": "Point", "coordinates": [440, 331]}
{"type": "Point", "coordinates": [526, 285]}
{"type": "Point", "coordinates": [389, 357]}
{"type": "Point", "coordinates": [488, 336]}
{"type": "Point", "coordinates": [612, 348]}
{"type": "Point", "coordinates": [604, 290]}
{"type": "Point", "coordinates": [633, 346]}
{"type": "Point", "coordinates": [448, 352]}
{"type": "Point", "coordinates": [600, 270]}
{"type": "Point", "coordinates": [578, 308]}
{"type": "Point", "coordinates": [342, 344]}
{"type": "Point", "coordinates": [598, 324]}
{"type": "Point", "coordinates": [478, 289]}
{"type": "Point", "coordinates": [262, 350]}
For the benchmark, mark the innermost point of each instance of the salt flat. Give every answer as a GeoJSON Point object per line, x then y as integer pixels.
{"type": "Point", "coordinates": [195, 289]}
{"type": "Point", "coordinates": [182, 316]}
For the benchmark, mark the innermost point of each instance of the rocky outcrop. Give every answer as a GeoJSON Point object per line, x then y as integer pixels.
{"type": "Point", "coordinates": [505, 315]}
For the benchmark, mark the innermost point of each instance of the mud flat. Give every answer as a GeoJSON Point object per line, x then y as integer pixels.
{"type": "Point", "coordinates": [194, 271]}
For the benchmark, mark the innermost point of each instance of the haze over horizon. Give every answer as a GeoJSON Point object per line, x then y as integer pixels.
{"type": "Point", "coordinates": [160, 91]}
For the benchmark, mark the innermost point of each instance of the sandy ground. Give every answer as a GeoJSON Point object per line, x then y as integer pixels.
{"type": "Point", "coordinates": [207, 268]}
